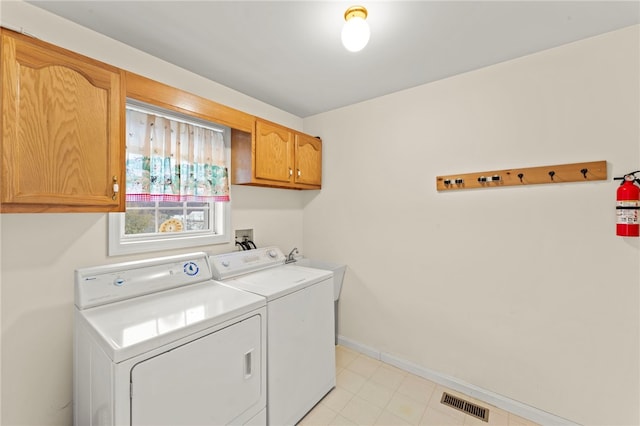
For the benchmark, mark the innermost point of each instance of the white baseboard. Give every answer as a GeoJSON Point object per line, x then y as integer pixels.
{"type": "Point", "coordinates": [518, 408]}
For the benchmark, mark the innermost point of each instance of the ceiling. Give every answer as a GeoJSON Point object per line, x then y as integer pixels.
{"type": "Point", "coordinates": [288, 53]}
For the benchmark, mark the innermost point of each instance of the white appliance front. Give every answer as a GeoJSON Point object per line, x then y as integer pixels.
{"type": "Point", "coordinates": [301, 352]}
{"type": "Point", "coordinates": [191, 355]}
{"type": "Point", "coordinates": [300, 329]}
{"type": "Point", "coordinates": [182, 387]}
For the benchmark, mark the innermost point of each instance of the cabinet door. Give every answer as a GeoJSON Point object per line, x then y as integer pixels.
{"type": "Point", "coordinates": [62, 147]}
{"type": "Point", "coordinates": [274, 152]}
{"type": "Point", "coordinates": [308, 155]}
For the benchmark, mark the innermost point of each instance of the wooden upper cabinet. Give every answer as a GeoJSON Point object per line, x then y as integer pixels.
{"type": "Point", "coordinates": [62, 129]}
{"type": "Point", "coordinates": [62, 132]}
{"type": "Point", "coordinates": [274, 152]}
{"type": "Point", "coordinates": [308, 155]}
{"type": "Point", "coordinates": [276, 156]}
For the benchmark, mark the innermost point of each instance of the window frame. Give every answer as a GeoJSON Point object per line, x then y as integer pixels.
{"type": "Point", "coordinates": [119, 244]}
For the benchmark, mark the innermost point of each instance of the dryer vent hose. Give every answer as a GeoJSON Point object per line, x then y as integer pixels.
{"type": "Point", "coordinates": [246, 244]}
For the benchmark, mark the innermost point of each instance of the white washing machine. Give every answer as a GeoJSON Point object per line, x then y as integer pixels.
{"type": "Point", "coordinates": [158, 342]}
{"type": "Point", "coordinates": [300, 327]}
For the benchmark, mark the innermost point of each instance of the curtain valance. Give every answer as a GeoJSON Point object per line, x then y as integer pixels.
{"type": "Point", "coordinates": [172, 160]}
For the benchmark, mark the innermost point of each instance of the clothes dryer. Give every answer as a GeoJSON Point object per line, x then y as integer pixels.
{"type": "Point", "coordinates": [158, 342]}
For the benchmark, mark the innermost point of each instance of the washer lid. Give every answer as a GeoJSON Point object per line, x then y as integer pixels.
{"type": "Point", "coordinates": [279, 281]}
{"type": "Point", "coordinates": [134, 326]}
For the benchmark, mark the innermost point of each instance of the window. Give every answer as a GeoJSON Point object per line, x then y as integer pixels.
{"type": "Point", "coordinates": [177, 183]}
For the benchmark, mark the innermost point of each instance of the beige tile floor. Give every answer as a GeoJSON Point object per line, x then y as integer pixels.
{"type": "Point", "coordinates": [370, 392]}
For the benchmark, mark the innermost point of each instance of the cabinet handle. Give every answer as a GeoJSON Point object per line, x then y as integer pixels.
{"type": "Point", "coordinates": [290, 171]}
{"type": "Point", "coordinates": [116, 188]}
{"type": "Point", "coordinates": [299, 173]}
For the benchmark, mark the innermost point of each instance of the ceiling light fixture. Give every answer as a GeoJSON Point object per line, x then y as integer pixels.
{"type": "Point", "coordinates": [355, 33]}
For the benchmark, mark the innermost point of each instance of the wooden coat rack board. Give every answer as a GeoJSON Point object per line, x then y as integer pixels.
{"type": "Point", "coordinates": [561, 173]}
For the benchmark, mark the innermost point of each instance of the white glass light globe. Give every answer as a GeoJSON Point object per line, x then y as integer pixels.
{"type": "Point", "coordinates": [355, 34]}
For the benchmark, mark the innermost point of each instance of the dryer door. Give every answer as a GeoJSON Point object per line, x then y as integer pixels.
{"type": "Point", "coordinates": [209, 381]}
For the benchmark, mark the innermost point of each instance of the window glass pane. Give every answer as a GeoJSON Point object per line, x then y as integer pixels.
{"type": "Point", "coordinates": [170, 220]}
{"type": "Point", "coordinates": [197, 219]}
{"type": "Point", "coordinates": [139, 221]}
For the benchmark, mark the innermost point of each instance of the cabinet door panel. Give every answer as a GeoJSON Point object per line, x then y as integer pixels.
{"type": "Point", "coordinates": [274, 152]}
{"type": "Point", "coordinates": [61, 138]}
{"type": "Point", "coordinates": [308, 160]}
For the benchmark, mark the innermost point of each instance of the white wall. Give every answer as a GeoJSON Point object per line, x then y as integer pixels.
{"type": "Point", "coordinates": [522, 291]}
{"type": "Point", "coordinates": [39, 252]}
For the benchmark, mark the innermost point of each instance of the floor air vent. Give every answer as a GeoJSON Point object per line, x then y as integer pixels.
{"type": "Point", "coordinates": [465, 406]}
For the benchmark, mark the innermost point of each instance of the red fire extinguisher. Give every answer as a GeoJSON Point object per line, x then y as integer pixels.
{"type": "Point", "coordinates": [627, 207]}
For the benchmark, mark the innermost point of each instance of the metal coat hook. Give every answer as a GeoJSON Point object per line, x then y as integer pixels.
{"type": "Point", "coordinates": [520, 175]}
{"type": "Point", "coordinates": [552, 174]}
{"type": "Point", "coordinates": [584, 172]}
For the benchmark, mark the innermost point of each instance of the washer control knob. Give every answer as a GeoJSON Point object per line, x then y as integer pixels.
{"type": "Point", "coordinates": [191, 269]}
{"type": "Point", "coordinates": [225, 263]}
{"type": "Point", "coordinates": [272, 254]}
{"type": "Point", "coordinates": [118, 282]}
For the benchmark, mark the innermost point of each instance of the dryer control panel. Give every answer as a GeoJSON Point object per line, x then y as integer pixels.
{"type": "Point", "coordinates": [242, 262]}
{"type": "Point", "coordinates": [111, 283]}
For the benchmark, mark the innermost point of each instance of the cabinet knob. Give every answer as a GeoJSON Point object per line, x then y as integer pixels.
{"type": "Point", "coordinates": [116, 188]}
